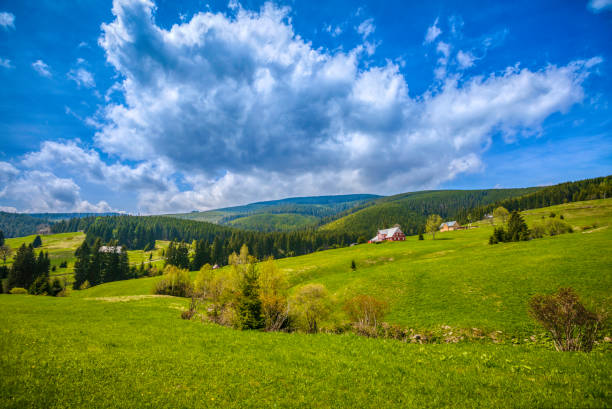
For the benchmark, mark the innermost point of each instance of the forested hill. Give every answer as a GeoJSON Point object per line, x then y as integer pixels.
{"type": "Point", "coordinates": [410, 210]}
{"type": "Point", "coordinates": [587, 189]}
{"type": "Point", "coordinates": [24, 224]}
{"type": "Point", "coordinates": [17, 224]}
{"type": "Point", "coordinates": [280, 215]}
{"type": "Point", "coordinates": [140, 232]}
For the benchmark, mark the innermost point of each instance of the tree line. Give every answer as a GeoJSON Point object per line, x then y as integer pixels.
{"type": "Point", "coordinates": [587, 189]}
{"type": "Point", "coordinates": [140, 233]}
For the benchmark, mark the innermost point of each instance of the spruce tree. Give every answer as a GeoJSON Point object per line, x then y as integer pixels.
{"type": "Point", "coordinates": [81, 266]}
{"type": "Point", "coordinates": [23, 269]}
{"type": "Point", "coordinates": [37, 242]}
{"type": "Point", "coordinates": [249, 308]}
{"type": "Point", "coordinates": [517, 228]}
{"type": "Point", "coordinates": [1, 238]}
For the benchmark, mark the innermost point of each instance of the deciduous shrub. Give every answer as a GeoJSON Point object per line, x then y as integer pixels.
{"type": "Point", "coordinates": [175, 282]}
{"type": "Point", "coordinates": [365, 311]}
{"type": "Point", "coordinates": [555, 227]}
{"type": "Point", "coordinates": [218, 288]}
{"type": "Point", "coordinates": [273, 293]}
{"type": "Point", "coordinates": [571, 326]}
{"type": "Point", "coordinates": [310, 305]}
{"type": "Point", "coordinates": [18, 290]}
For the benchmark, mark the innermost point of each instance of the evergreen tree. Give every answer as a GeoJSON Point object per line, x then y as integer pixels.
{"type": "Point", "coordinates": [517, 228]}
{"type": "Point", "coordinates": [1, 238]}
{"type": "Point", "coordinates": [22, 273]}
{"type": "Point", "coordinates": [37, 242]}
{"type": "Point", "coordinates": [81, 265]}
{"type": "Point", "coordinates": [249, 307]}
{"type": "Point", "coordinates": [96, 264]}
{"type": "Point", "coordinates": [201, 255]}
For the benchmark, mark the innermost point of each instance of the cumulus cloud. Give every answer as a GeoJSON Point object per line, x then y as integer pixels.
{"type": "Point", "coordinates": [82, 77]}
{"type": "Point", "coordinates": [38, 191]}
{"type": "Point", "coordinates": [598, 6]}
{"type": "Point", "coordinates": [250, 110]}
{"type": "Point", "coordinates": [7, 20]}
{"type": "Point", "coordinates": [432, 32]}
{"type": "Point", "coordinates": [41, 68]}
{"type": "Point", "coordinates": [69, 158]}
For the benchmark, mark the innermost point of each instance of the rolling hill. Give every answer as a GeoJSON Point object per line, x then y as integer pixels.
{"type": "Point", "coordinates": [116, 345]}
{"type": "Point", "coordinates": [410, 210]}
{"type": "Point", "coordinates": [280, 215]}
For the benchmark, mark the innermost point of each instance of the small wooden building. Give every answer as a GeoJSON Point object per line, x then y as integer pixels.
{"type": "Point", "coordinates": [450, 226]}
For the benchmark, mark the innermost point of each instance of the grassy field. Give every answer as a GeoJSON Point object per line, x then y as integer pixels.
{"type": "Point", "coordinates": [61, 247]}
{"type": "Point", "coordinates": [458, 279]}
{"type": "Point", "coordinates": [125, 354]}
{"type": "Point", "coordinates": [114, 345]}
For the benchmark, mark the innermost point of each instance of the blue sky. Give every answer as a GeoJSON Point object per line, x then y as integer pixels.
{"type": "Point", "coordinates": [154, 107]}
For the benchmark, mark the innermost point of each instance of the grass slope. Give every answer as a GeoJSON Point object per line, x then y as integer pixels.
{"type": "Point", "coordinates": [61, 247]}
{"type": "Point", "coordinates": [130, 354]}
{"type": "Point", "coordinates": [458, 279]}
{"type": "Point", "coordinates": [104, 348]}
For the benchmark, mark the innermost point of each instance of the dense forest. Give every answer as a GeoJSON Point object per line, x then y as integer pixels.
{"type": "Point", "coordinates": [17, 224]}
{"type": "Point", "coordinates": [140, 232]}
{"type": "Point", "coordinates": [587, 189]}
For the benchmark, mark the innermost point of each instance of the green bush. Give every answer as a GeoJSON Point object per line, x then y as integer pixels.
{"type": "Point", "coordinates": [18, 290]}
{"type": "Point", "coordinates": [175, 282]}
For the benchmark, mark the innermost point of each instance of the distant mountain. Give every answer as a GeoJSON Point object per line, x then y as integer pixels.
{"type": "Point", "coordinates": [66, 216]}
{"type": "Point", "coordinates": [281, 215]}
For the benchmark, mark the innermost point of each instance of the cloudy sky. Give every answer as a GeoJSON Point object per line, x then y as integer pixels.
{"type": "Point", "coordinates": [153, 107]}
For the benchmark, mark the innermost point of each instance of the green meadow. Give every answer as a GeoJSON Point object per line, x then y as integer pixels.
{"type": "Point", "coordinates": [115, 345]}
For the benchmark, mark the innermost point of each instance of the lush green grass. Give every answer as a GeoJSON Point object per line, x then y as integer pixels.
{"type": "Point", "coordinates": [115, 346]}
{"type": "Point", "coordinates": [61, 247]}
{"type": "Point", "coordinates": [274, 222]}
{"type": "Point", "coordinates": [111, 354]}
{"type": "Point", "coordinates": [458, 279]}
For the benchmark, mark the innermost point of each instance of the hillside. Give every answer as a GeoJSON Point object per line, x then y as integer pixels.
{"type": "Point", "coordinates": [24, 224]}
{"type": "Point", "coordinates": [458, 279]}
{"type": "Point", "coordinates": [274, 215]}
{"type": "Point", "coordinates": [410, 210]}
{"type": "Point", "coordinates": [134, 350]}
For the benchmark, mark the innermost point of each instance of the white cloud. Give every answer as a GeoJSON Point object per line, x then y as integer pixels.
{"type": "Point", "coordinates": [432, 32]}
{"type": "Point", "coordinates": [598, 6]}
{"type": "Point", "coordinates": [8, 209]}
{"type": "Point", "coordinates": [36, 191]}
{"type": "Point", "coordinates": [41, 68]}
{"type": "Point", "coordinates": [465, 59]}
{"type": "Point", "coordinates": [82, 77]}
{"type": "Point", "coordinates": [6, 63]}
{"type": "Point", "coordinates": [248, 110]}
{"type": "Point", "coordinates": [366, 28]}
{"type": "Point", "coordinates": [69, 158]}
{"type": "Point", "coordinates": [7, 20]}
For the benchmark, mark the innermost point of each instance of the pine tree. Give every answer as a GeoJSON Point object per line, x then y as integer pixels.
{"type": "Point", "coordinates": [249, 307]}
{"type": "Point", "coordinates": [37, 242]}
{"type": "Point", "coordinates": [1, 238]}
{"type": "Point", "coordinates": [23, 269]}
{"type": "Point", "coordinates": [81, 265]}
{"type": "Point", "coordinates": [517, 228]}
